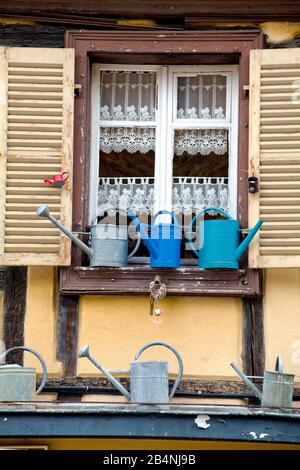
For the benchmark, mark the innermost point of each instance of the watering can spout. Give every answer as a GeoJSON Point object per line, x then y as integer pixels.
{"type": "Point", "coordinates": [248, 382]}
{"type": "Point", "coordinates": [43, 211]}
{"type": "Point", "coordinates": [150, 244]}
{"type": "Point", "coordinates": [85, 352]}
{"type": "Point", "coordinates": [245, 243]}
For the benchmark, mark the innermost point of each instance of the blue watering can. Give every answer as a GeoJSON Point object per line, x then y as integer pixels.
{"type": "Point", "coordinates": [164, 240]}
{"type": "Point", "coordinates": [220, 245]}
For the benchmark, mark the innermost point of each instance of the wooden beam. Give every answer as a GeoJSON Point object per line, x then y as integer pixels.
{"type": "Point", "coordinates": [67, 333]}
{"type": "Point", "coordinates": [248, 10]}
{"type": "Point", "coordinates": [253, 354]}
{"type": "Point", "coordinates": [186, 385]}
{"type": "Point", "coordinates": [14, 307]}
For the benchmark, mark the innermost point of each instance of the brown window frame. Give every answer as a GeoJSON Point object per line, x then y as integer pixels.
{"type": "Point", "coordinates": [217, 47]}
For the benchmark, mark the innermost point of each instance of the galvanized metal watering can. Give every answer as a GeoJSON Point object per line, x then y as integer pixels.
{"type": "Point", "coordinates": [109, 242]}
{"type": "Point", "coordinates": [220, 240]}
{"type": "Point", "coordinates": [149, 382]}
{"type": "Point", "coordinates": [164, 240]}
{"type": "Point", "coordinates": [19, 383]}
{"type": "Point", "coordinates": [277, 387]}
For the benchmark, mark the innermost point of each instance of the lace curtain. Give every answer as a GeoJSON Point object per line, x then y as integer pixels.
{"type": "Point", "coordinates": [127, 96]}
{"type": "Point", "coordinates": [131, 97]}
{"type": "Point", "coordinates": [117, 139]}
{"type": "Point", "coordinates": [190, 141]}
{"type": "Point", "coordinates": [201, 97]}
{"type": "Point", "coordinates": [203, 142]}
{"type": "Point", "coordinates": [189, 194]}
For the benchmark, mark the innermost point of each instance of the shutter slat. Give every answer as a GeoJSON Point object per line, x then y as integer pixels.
{"type": "Point", "coordinates": [280, 209]}
{"type": "Point", "coordinates": [25, 215]}
{"type": "Point", "coordinates": [274, 157]}
{"type": "Point", "coordinates": [32, 231]}
{"type": "Point", "coordinates": [279, 201]}
{"type": "Point", "coordinates": [289, 106]}
{"type": "Point", "coordinates": [31, 239]}
{"type": "Point", "coordinates": [282, 234]}
{"type": "Point", "coordinates": [280, 250]}
{"type": "Point", "coordinates": [279, 242]}
{"type": "Point", "coordinates": [36, 143]}
{"type": "Point", "coordinates": [33, 112]}
{"type": "Point", "coordinates": [35, 127]}
{"type": "Point", "coordinates": [31, 248]}
{"type": "Point", "coordinates": [27, 103]}
{"type": "Point", "coordinates": [276, 176]}
{"type": "Point", "coordinates": [25, 206]}
{"type": "Point", "coordinates": [280, 120]}
{"type": "Point", "coordinates": [278, 129]}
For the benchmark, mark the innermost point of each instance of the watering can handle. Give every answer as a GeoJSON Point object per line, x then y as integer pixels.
{"type": "Point", "coordinates": [207, 209]}
{"type": "Point", "coordinates": [139, 239]}
{"type": "Point", "coordinates": [35, 353]}
{"type": "Point", "coordinates": [179, 359]}
{"type": "Point", "coordinates": [279, 365]}
{"type": "Point", "coordinates": [165, 212]}
{"type": "Point", "coordinates": [101, 212]}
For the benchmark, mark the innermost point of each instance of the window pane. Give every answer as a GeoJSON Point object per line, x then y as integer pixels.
{"type": "Point", "coordinates": [127, 96]}
{"type": "Point", "coordinates": [201, 97]}
{"type": "Point", "coordinates": [200, 170]}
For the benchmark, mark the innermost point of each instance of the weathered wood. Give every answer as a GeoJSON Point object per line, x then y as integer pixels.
{"type": "Point", "coordinates": [67, 333]}
{"type": "Point", "coordinates": [31, 35]}
{"type": "Point", "coordinates": [171, 44]}
{"type": "Point", "coordinates": [183, 281]}
{"type": "Point", "coordinates": [14, 307]}
{"type": "Point", "coordinates": [274, 157]}
{"type": "Point", "coordinates": [253, 353]}
{"type": "Point", "coordinates": [189, 385]}
{"type": "Point", "coordinates": [22, 77]}
{"type": "Point", "coordinates": [204, 9]}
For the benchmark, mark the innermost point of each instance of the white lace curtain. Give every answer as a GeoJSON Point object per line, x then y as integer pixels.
{"type": "Point", "coordinates": [203, 142]}
{"type": "Point", "coordinates": [190, 141]}
{"type": "Point", "coordinates": [201, 97]}
{"type": "Point", "coordinates": [127, 96]}
{"type": "Point", "coordinates": [189, 194]}
{"type": "Point", "coordinates": [131, 97]}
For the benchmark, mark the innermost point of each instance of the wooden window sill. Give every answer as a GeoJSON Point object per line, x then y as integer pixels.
{"type": "Point", "coordinates": [134, 280]}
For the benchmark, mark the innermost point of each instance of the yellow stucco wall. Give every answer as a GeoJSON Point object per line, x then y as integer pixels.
{"type": "Point", "coordinates": [206, 331]}
{"type": "Point", "coordinates": [40, 318]}
{"type": "Point", "coordinates": [282, 318]}
{"type": "Point", "coordinates": [141, 444]}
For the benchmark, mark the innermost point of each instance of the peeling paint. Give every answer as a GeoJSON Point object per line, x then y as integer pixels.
{"type": "Point", "coordinates": [253, 434]}
{"type": "Point", "coordinates": [202, 421]}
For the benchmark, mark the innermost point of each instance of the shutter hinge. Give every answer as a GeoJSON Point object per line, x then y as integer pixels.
{"type": "Point", "coordinates": [77, 89]}
{"type": "Point", "coordinates": [246, 90]}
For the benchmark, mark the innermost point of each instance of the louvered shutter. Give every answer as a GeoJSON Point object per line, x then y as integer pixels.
{"type": "Point", "coordinates": [36, 137]}
{"type": "Point", "coordinates": [274, 156]}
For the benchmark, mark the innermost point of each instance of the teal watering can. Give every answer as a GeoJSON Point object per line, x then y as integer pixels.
{"type": "Point", "coordinates": [163, 242]}
{"type": "Point", "coordinates": [220, 245]}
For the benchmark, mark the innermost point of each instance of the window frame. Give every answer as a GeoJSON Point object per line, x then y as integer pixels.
{"type": "Point", "coordinates": [210, 47]}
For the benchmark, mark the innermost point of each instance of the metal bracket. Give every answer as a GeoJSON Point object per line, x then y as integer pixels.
{"type": "Point", "coordinates": [77, 89]}
{"type": "Point", "coordinates": [246, 89]}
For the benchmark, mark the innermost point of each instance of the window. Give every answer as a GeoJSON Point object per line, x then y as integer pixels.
{"type": "Point", "coordinates": [156, 55]}
{"type": "Point", "coordinates": [163, 137]}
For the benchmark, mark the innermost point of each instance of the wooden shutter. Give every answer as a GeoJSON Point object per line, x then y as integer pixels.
{"type": "Point", "coordinates": [274, 151]}
{"type": "Point", "coordinates": [36, 135]}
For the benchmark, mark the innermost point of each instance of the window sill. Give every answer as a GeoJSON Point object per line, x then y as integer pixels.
{"type": "Point", "coordinates": [134, 280]}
